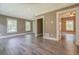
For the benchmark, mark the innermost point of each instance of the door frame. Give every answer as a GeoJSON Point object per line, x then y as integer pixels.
{"type": "Point", "coordinates": [36, 35]}
{"type": "Point", "coordinates": [68, 19]}
{"type": "Point", "coordinates": [58, 20]}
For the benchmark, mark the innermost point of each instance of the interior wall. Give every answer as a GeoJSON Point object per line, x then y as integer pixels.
{"type": "Point", "coordinates": [77, 27]}
{"type": "Point", "coordinates": [49, 24]}
{"type": "Point", "coordinates": [33, 26]}
{"type": "Point", "coordinates": [3, 25]}
{"type": "Point", "coordinates": [50, 21]}
{"type": "Point", "coordinates": [20, 25]}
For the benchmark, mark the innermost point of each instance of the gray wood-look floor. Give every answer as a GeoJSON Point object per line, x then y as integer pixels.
{"type": "Point", "coordinates": [29, 45]}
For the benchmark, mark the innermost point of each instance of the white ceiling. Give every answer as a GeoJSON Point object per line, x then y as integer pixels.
{"type": "Point", "coordinates": [29, 10]}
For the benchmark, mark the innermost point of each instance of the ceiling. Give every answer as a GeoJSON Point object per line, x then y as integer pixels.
{"type": "Point", "coordinates": [29, 10]}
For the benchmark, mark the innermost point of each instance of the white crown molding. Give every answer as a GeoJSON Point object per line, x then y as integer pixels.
{"type": "Point", "coordinates": [37, 14]}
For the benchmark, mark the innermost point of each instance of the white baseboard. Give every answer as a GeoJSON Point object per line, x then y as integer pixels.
{"type": "Point", "coordinates": [36, 35]}
{"type": "Point", "coordinates": [8, 36]}
{"type": "Point", "coordinates": [50, 38]}
{"type": "Point", "coordinates": [39, 34]}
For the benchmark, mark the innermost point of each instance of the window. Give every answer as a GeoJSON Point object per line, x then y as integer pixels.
{"type": "Point", "coordinates": [11, 25]}
{"type": "Point", "coordinates": [70, 25]}
{"type": "Point", "coordinates": [28, 26]}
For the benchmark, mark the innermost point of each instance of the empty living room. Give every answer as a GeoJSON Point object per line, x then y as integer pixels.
{"type": "Point", "coordinates": [39, 28]}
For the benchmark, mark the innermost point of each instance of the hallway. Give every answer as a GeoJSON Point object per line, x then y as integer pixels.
{"type": "Point", "coordinates": [29, 45]}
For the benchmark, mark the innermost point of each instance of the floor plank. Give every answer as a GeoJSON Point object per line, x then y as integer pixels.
{"type": "Point", "coordinates": [29, 45]}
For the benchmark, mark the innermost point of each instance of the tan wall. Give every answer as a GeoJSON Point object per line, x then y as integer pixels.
{"type": "Point", "coordinates": [77, 27]}
{"type": "Point", "coordinates": [51, 17]}
{"type": "Point", "coordinates": [3, 25]}
{"type": "Point", "coordinates": [49, 27]}
{"type": "Point", "coordinates": [21, 25]}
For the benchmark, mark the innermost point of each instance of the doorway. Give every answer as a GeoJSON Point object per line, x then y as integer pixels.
{"type": "Point", "coordinates": [68, 30]}
{"type": "Point", "coordinates": [40, 27]}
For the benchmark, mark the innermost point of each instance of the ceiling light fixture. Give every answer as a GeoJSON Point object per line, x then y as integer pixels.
{"type": "Point", "coordinates": [72, 14]}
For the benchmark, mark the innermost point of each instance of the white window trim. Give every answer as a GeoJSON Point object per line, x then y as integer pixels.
{"type": "Point", "coordinates": [25, 26]}
{"type": "Point", "coordinates": [7, 25]}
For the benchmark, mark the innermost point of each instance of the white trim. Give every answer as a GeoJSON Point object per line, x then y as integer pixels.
{"type": "Point", "coordinates": [39, 34]}
{"type": "Point", "coordinates": [50, 10]}
{"type": "Point", "coordinates": [67, 10]}
{"type": "Point", "coordinates": [58, 19]}
{"type": "Point", "coordinates": [49, 38]}
{"type": "Point", "coordinates": [44, 37]}
{"type": "Point", "coordinates": [26, 26]}
{"type": "Point", "coordinates": [35, 35]}
{"type": "Point", "coordinates": [8, 36]}
{"type": "Point", "coordinates": [57, 27]}
{"type": "Point", "coordinates": [11, 19]}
